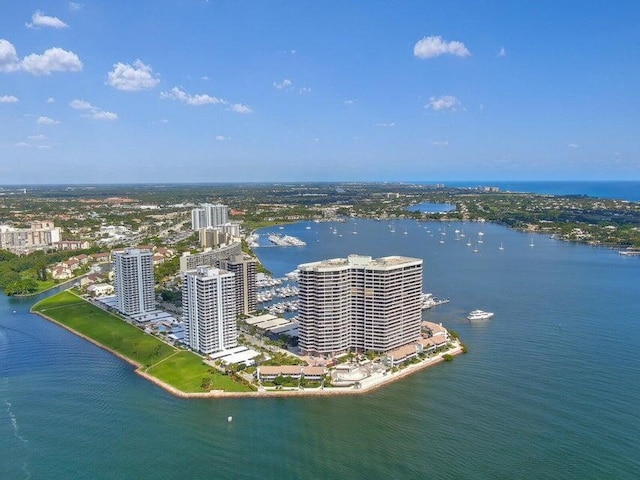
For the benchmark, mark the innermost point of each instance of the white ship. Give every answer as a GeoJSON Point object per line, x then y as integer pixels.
{"type": "Point", "coordinates": [479, 315]}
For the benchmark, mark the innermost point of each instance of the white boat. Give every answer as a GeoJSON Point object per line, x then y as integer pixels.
{"type": "Point", "coordinates": [531, 243]}
{"type": "Point", "coordinates": [500, 247]}
{"type": "Point", "coordinates": [479, 315]}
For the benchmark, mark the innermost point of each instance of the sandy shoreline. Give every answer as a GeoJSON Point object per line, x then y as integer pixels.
{"type": "Point", "coordinates": [368, 385]}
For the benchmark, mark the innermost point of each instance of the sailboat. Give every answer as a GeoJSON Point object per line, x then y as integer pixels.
{"type": "Point", "coordinates": [500, 247]}
{"type": "Point", "coordinates": [531, 243]}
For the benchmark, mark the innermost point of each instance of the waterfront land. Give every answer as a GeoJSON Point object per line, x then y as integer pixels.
{"type": "Point", "coordinates": [179, 369]}
{"type": "Point", "coordinates": [184, 373]}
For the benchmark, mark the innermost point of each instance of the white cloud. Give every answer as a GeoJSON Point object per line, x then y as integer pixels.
{"type": "Point", "coordinates": [21, 144]}
{"type": "Point", "coordinates": [8, 99]}
{"type": "Point", "coordinates": [573, 145]}
{"type": "Point", "coordinates": [434, 46]}
{"type": "Point", "coordinates": [502, 52]}
{"type": "Point", "coordinates": [176, 94]}
{"type": "Point", "coordinates": [132, 78]}
{"type": "Point", "coordinates": [8, 57]}
{"type": "Point", "coordinates": [51, 100]}
{"type": "Point", "coordinates": [221, 138]}
{"type": "Point", "coordinates": [47, 121]}
{"type": "Point", "coordinates": [38, 137]}
{"type": "Point", "coordinates": [304, 90]}
{"type": "Point", "coordinates": [392, 124]}
{"type": "Point", "coordinates": [440, 143]}
{"type": "Point", "coordinates": [240, 108]}
{"type": "Point", "coordinates": [39, 19]}
{"type": "Point", "coordinates": [93, 112]}
{"type": "Point", "coordinates": [102, 115]}
{"type": "Point", "coordinates": [44, 147]}
{"type": "Point", "coordinates": [81, 105]}
{"type": "Point", "coordinates": [52, 60]}
{"type": "Point", "coordinates": [349, 102]}
{"type": "Point", "coordinates": [286, 83]}
{"type": "Point", "coordinates": [444, 102]}
{"type": "Point", "coordinates": [75, 6]}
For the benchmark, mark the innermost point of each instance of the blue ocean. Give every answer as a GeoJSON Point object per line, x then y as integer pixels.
{"type": "Point", "coordinates": [549, 388]}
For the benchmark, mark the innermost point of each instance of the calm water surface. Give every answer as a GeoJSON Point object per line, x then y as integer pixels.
{"type": "Point", "coordinates": [549, 388]}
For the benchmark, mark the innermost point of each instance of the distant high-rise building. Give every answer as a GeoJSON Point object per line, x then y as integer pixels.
{"type": "Point", "coordinates": [359, 303]}
{"type": "Point", "coordinates": [209, 309]}
{"type": "Point", "coordinates": [214, 237]}
{"type": "Point", "coordinates": [23, 240]}
{"type": "Point", "coordinates": [210, 257]}
{"type": "Point", "coordinates": [133, 279]}
{"type": "Point", "coordinates": [244, 267]}
{"type": "Point", "coordinates": [198, 219]}
{"type": "Point", "coordinates": [209, 215]}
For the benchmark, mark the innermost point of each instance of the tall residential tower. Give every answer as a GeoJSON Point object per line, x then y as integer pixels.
{"type": "Point", "coordinates": [133, 280]}
{"type": "Point", "coordinates": [209, 215]}
{"type": "Point", "coordinates": [209, 309]}
{"type": "Point", "coordinates": [359, 303]}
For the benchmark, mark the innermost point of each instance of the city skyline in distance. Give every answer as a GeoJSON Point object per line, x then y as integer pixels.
{"type": "Point", "coordinates": [203, 91]}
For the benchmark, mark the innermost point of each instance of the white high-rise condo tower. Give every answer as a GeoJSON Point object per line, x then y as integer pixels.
{"type": "Point", "coordinates": [209, 309]}
{"type": "Point", "coordinates": [133, 279]}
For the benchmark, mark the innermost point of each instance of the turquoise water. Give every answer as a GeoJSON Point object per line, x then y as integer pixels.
{"type": "Point", "coordinates": [549, 388]}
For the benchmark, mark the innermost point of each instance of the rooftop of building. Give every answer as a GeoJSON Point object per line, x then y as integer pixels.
{"type": "Point", "coordinates": [362, 261]}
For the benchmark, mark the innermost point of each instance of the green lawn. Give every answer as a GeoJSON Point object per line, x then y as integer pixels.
{"type": "Point", "coordinates": [181, 369]}
{"type": "Point", "coordinates": [185, 371]}
{"type": "Point", "coordinates": [105, 328]}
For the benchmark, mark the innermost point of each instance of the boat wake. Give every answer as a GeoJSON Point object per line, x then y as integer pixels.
{"type": "Point", "coordinates": [16, 433]}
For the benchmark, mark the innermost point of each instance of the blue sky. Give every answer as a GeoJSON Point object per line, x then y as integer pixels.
{"type": "Point", "coordinates": [213, 91]}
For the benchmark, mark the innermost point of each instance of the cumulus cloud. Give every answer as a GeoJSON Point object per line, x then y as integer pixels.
{"type": "Point", "coordinates": [39, 138]}
{"type": "Point", "coordinates": [440, 143]}
{"type": "Point", "coordinates": [102, 115]}
{"type": "Point", "coordinates": [81, 105]}
{"type": "Point", "coordinates": [392, 124]}
{"type": "Point", "coordinates": [52, 60]}
{"type": "Point", "coordinates": [304, 90]}
{"type": "Point", "coordinates": [573, 145]}
{"type": "Point", "coordinates": [444, 102]}
{"type": "Point", "coordinates": [21, 144]}
{"type": "Point", "coordinates": [221, 138]}
{"type": "Point", "coordinates": [502, 52]}
{"type": "Point", "coordinates": [47, 121]}
{"type": "Point", "coordinates": [51, 100]}
{"type": "Point", "coordinates": [240, 108]}
{"type": "Point", "coordinates": [93, 112]}
{"type": "Point", "coordinates": [8, 99]}
{"type": "Point", "coordinates": [9, 61]}
{"type": "Point", "coordinates": [349, 102]}
{"type": "Point", "coordinates": [132, 78]}
{"type": "Point", "coordinates": [39, 19]}
{"type": "Point", "coordinates": [286, 83]}
{"type": "Point", "coordinates": [202, 99]}
{"type": "Point", "coordinates": [434, 46]}
{"type": "Point", "coordinates": [75, 6]}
